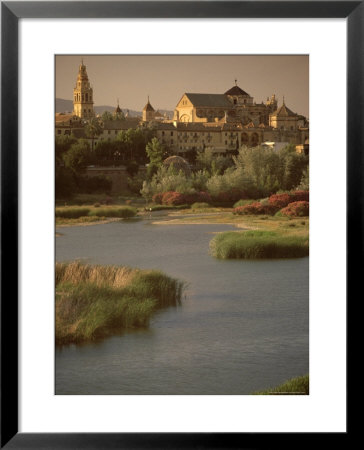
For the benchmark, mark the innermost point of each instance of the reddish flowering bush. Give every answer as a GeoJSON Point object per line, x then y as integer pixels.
{"type": "Point", "coordinates": [283, 200]}
{"type": "Point", "coordinates": [231, 196]}
{"type": "Point", "coordinates": [157, 198]}
{"type": "Point", "coordinates": [296, 209]}
{"type": "Point", "coordinates": [255, 208]}
{"type": "Point", "coordinates": [197, 197]}
{"type": "Point", "coordinates": [280, 200]}
{"type": "Point", "coordinates": [300, 196]}
{"type": "Point", "coordinates": [172, 198]}
{"type": "Point", "coordinates": [176, 198]}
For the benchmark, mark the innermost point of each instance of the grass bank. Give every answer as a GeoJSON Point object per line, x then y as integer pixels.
{"type": "Point", "coordinates": [73, 215]}
{"type": "Point", "coordinates": [98, 301]}
{"type": "Point", "coordinates": [294, 386]}
{"type": "Point", "coordinates": [258, 244]}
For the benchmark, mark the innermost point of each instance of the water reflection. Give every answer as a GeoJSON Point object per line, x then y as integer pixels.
{"type": "Point", "coordinates": [243, 325]}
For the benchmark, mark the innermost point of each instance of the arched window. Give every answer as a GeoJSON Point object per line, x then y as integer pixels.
{"type": "Point", "coordinates": [254, 140]}
{"type": "Point", "coordinates": [244, 139]}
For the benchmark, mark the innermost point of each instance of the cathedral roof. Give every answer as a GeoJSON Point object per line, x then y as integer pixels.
{"type": "Point", "coordinates": [236, 90]}
{"type": "Point", "coordinates": [148, 107]}
{"type": "Point", "coordinates": [209, 100]}
{"type": "Point", "coordinates": [283, 111]}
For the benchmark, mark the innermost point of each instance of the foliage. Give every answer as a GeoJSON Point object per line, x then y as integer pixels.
{"type": "Point", "coordinates": [305, 180]}
{"type": "Point", "coordinates": [243, 203]}
{"type": "Point", "coordinates": [270, 170]}
{"type": "Point", "coordinates": [296, 209]}
{"type": "Point", "coordinates": [156, 154]}
{"type": "Point", "coordinates": [258, 244]}
{"type": "Point", "coordinates": [95, 184]}
{"type": "Point", "coordinates": [213, 164]}
{"type": "Point", "coordinates": [78, 157]}
{"type": "Point", "coordinates": [256, 208]}
{"type": "Point", "coordinates": [200, 205]}
{"type": "Point", "coordinates": [123, 212]}
{"type": "Point", "coordinates": [72, 213]}
{"type": "Point", "coordinates": [98, 301]}
{"type": "Point", "coordinates": [92, 130]}
{"type": "Point", "coordinates": [132, 143]}
{"type": "Point", "coordinates": [294, 386]}
{"type": "Point", "coordinates": [135, 183]}
{"type": "Point", "coordinates": [169, 179]}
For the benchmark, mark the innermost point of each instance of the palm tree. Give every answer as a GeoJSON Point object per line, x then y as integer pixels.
{"type": "Point", "coordinates": [93, 129]}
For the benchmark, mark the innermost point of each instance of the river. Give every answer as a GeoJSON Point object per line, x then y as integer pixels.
{"type": "Point", "coordinates": [242, 326]}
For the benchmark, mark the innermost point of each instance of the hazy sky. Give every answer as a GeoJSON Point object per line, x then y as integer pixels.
{"type": "Point", "coordinates": [166, 78]}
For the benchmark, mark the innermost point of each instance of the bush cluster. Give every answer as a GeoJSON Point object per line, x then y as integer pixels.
{"type": "Point", "coordinates": [176, 198]}
{"type": "Point", "coordinates": [296, 209]}
{"type": "Point", "coordinates": [283, 200]}
{"type": "Point", "coordinates": [256, 208]}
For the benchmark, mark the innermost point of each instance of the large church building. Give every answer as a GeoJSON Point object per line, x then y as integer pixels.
{"type": "Point", "coordinates": [219, 123]}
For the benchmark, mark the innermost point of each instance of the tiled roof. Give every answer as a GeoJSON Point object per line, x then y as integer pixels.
{"type": "Point", "coordinates": [283, 111]}
{"type": "Point", "coordinates": [148, 107]}
{"type": "Point", "coordinates": [209, 100]}
{"type": "Point", "coordinates": [236, 90]}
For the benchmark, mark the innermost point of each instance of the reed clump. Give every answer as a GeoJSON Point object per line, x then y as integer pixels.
{"type": "Point", "coordinates": [258, 244]}
{"type": "Point", "coordinates": [72, 213]}
{"type": "Point", "coordinates": [123, 212]}
{"type": "Point", "coordinates": [294, 386]}
{"type": "Point", "coordinates": [97, 301]}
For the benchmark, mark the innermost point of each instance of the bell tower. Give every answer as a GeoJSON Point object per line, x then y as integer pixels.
{"type": "Point", "coordinates": [83, 95]}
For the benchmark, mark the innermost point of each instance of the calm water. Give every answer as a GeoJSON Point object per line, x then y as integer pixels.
{"type": "Point", "coordinates": [243, 325]}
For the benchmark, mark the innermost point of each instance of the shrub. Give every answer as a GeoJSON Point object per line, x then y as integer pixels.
{"type": "Point", "coordinates": [230, 196]}
{"type": "Point", "coordinates": [200, 205]}
{"type": "Point", "coordinates": [157, 198]}
{"type": "Point", "coordinates": [173, 198]}
{"type": "Point", "coordinates": [176, 198]}
{"type": "Point", "coordinates": [296, 209]}
{"type": "Point", "coordinates": [300, 196]}
{"type": "Point", "coordinates": [123, 212]}
{"type": "Point", "coordinates": [243, 203]}
{"type": "Point", "coordinates": [255, 208]}
{"type": "Point", "coordinates": [280, 200]}
{"type": "Point", "coordinates": [72, 213]}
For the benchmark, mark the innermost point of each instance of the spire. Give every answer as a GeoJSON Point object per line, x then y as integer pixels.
{"type": "Point", "coordinates": [283, 100]}
{"type": "Point", "coordinates": [236, 82]}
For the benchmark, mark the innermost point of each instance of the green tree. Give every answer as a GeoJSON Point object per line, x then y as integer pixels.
{"type": "Point", "coordinates": [92, 130]}
{"type": "Point", "coordinates": [107, 116]}
{"type": "Point", "coordinates": [78, 157]}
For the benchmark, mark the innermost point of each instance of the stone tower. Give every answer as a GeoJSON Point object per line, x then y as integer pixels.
{"type": "Point", "coordinates": [83, 95]}
{"type": "Point", "coordinates": [148, 112]}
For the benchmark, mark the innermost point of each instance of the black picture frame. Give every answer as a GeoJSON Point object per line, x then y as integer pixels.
{"type": "Point", "coordinates": [11, 12]}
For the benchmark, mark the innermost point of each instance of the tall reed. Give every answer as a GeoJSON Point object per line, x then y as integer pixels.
{"type": "Point", "coordinates": [97, 301]}
{"type": "Point", "coordinates": [258, 244]}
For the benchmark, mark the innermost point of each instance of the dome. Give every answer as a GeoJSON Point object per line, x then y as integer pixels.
{"type": "Point", "coordinates": [178, 163]}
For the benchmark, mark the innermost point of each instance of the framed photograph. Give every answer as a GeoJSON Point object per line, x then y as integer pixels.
{"type": "Point", "coordinates": [171, 302]}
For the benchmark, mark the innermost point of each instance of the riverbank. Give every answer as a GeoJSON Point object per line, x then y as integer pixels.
{"type": "Point", "coordinates": [94, 302]}
{"type": "Point", "coordinates": [294, 386]}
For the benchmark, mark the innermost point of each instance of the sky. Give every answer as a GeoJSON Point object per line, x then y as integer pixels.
{"type": "Point", "coordinates": [165, 78]}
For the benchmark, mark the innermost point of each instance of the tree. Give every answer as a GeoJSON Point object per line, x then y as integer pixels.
{"type": "Point", "coordinates": [155, 152]}
{"type": "Point", "coordinates": [78, 157]}
{"type": "Point", "coordinates": [93, 129]}
{"type": "Point", "coordinates": [107, 116]}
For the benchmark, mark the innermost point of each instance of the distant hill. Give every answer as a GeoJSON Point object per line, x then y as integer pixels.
{"type": "Point", "coordinates": [63, 105]}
